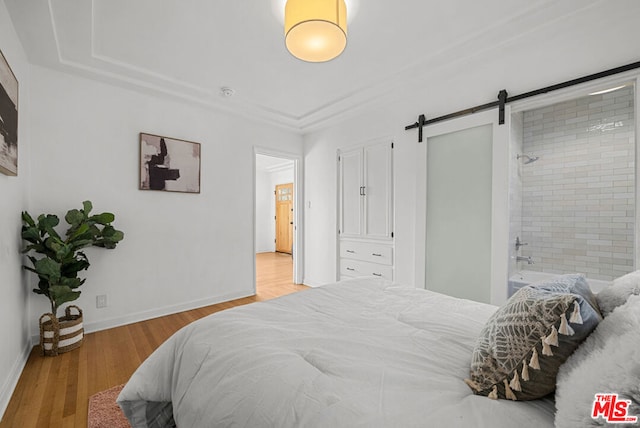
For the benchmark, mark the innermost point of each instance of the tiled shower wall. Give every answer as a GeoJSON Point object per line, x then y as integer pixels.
{"type": "Point", "coordinates": [578, 198]}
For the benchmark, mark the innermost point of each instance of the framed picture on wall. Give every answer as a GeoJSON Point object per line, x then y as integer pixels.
{"type": "Point", "coordinates": [169, 164]}
{"type": "Point", "coordinates": [8, 119]}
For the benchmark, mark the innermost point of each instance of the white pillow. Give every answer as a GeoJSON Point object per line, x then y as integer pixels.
{"type": "Point", "coordinates": [607, 362]}
{"type": "Point", "coordinates": [618, 292]}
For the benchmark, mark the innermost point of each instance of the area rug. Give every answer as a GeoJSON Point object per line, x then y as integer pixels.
{"type": "Point", "coordinates": [104, 412]}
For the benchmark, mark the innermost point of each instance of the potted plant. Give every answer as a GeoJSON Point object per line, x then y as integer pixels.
{"type": "Point", "coordinates": [58, 269]}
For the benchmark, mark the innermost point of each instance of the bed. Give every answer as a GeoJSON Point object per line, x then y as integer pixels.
{"type": "Point", "coordinates": [359, 353]}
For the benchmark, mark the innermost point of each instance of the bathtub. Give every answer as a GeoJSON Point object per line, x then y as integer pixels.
{"type": "Point", "coordinates": [524, 277]}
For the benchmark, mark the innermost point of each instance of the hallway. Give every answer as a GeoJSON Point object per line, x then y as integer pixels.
{"type": "Point", "coordinates": [274, 276]}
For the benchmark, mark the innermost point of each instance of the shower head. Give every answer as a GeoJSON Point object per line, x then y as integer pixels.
{"type": "Point", "coordinates": [529, 159]}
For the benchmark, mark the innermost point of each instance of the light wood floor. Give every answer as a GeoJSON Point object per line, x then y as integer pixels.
{"type": "Point", "coordinates": [54, 391]}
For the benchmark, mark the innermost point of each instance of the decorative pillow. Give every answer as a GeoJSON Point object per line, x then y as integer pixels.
{"type": "Point", "coordinates": [608, 362]}
{"type": "Point", "coordinates": [618, 292]}
{"type": "Point", "coordinates": [522, 345]}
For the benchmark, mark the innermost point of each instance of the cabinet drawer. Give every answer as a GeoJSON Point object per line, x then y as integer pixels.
{"type": "Point", "coordinates": [353, 268]}
{"type": "Point", "coordinates": [368, 252]}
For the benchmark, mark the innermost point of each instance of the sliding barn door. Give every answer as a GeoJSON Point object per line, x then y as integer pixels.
{"type": "Point", "coordinates": [458, 253]}
{"type": "Point", "coordinates": [462, 209]}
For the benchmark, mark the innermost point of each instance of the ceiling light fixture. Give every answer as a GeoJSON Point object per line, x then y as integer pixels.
{"type": "Point", "coordinates": [315, 30]}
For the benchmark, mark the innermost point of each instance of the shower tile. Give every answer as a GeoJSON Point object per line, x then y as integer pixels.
{"type": "Point", "coordinates": [578, 200]}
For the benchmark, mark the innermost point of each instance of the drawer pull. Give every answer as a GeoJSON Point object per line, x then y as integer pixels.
{"type": "Point", "coordinates": [376, 254]}
{"type": "Point", "coordinates": [352, 269]}
{"type": "Point", "coordinates": [351, 251]}
{"type": "Point", "coordinates": [377, 274]}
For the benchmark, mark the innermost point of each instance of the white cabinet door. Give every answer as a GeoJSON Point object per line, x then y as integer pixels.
{"type": "Point", "coordinates": [366, 192]}
{"type": "Point", "coordinates": [351, 212]}
{"type": "Point", "coordinates": [377, 191]}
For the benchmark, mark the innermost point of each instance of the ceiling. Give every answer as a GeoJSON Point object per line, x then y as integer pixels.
{"type": "Point", "coordinates": [270, 164]}
{"type": "Point", "coordinates": [190, 49]}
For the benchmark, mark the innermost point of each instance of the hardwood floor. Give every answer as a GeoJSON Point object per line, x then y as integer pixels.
{"type": "Point", "coordinates": [54, 391]}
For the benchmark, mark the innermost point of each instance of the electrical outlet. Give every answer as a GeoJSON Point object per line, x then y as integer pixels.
{"type": "Point", "coordinates": [101, 301]}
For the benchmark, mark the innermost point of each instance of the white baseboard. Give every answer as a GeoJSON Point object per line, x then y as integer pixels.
{"type": "Point", "coordinates": [155, 313]}
{"type": "Point", "coordinates": [312, 283]}
{"type": "Point", "coordinates": [12, 380]}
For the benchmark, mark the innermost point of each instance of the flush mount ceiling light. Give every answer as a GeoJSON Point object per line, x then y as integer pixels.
{"type": "Point", "coordinates": [315, 30]}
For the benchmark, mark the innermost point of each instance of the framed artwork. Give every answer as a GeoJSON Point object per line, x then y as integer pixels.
{"type": "Point", "coordinates": [8, 119]}
{"type": "Point", "coordinates": [169, 164]}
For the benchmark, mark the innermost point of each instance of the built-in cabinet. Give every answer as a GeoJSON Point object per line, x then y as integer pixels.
{"type": "Point", "coordinates": [365, 210]}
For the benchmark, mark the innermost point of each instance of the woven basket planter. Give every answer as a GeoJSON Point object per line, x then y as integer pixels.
{"type": "Point", "coordinates": [64, 334]}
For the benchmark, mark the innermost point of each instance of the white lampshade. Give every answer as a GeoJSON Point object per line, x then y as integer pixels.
{"type": "Point", "coordinates": [315, 30]}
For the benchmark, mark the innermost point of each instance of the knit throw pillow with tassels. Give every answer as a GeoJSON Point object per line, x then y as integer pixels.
{"type": "Point", "coordinates": [523, 344]}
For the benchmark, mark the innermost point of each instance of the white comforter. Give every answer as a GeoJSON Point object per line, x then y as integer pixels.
{"type": "Point", "coordinates": [359, 353]}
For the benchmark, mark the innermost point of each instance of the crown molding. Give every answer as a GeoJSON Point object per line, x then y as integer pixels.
{"type": "Point", "coordinates": [130, 76]}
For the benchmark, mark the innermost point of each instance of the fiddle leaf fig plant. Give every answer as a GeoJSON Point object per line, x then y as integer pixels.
{"type": "Point", "coordinates": [62, 259]}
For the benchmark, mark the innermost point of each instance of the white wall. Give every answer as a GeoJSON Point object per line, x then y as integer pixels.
{"type": "Point", "coordinates": [14, 316]}
{"type": "Point", "coordinates": [541, 58]}
{"type": "Point", "coordinates": [266, 207]}
{"type": "Point", "coordinates": [180, 250]}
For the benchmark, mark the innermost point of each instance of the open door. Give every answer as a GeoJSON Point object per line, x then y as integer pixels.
{"type": "Point", "coordinates": [284, 218]}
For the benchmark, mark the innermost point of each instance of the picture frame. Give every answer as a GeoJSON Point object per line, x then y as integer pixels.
{"type": "Point", "coordinates": [169, 164]}
{"type": "Point", "coordinates": [8, 119]}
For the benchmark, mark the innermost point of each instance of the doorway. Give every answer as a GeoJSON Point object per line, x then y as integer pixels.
{"type": "Point", "coordinates": [277, 221]}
